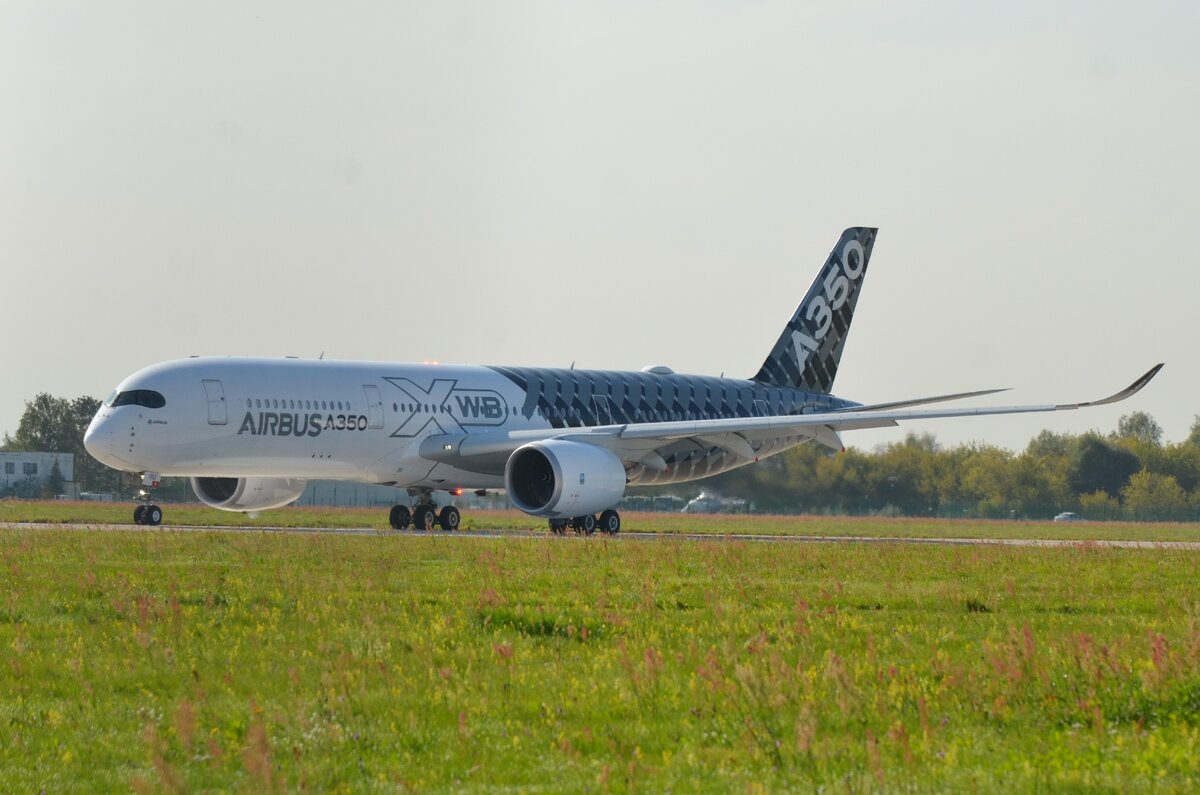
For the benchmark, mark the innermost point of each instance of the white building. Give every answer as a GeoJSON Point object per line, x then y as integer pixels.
{"type": "Point", "coordinates": [32, 470]}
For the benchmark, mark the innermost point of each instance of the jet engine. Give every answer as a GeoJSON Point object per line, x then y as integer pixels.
{"type": "Point", "coordinates": [561, 479]}
{"type": "Point", "coordinates": [247, 494]}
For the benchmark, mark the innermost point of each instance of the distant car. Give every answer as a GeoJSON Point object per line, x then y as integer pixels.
{"type": "Point", "coordinates": [1068, 516]}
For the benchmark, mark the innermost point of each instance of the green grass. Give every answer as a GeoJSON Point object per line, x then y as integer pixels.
{"type": "Point", "coordinates": [193, 514]}
{"type": "Point", "coordinates": [163, 661]}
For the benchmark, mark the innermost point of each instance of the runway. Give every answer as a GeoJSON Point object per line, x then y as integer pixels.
{"type": "Point", "coordinates": [634, 535]}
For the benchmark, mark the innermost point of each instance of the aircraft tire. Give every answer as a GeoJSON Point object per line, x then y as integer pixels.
{"type": "Point", "coordinates": [610, 522]}
{"type": "Point", "coordinates": [399, 518]}
{"type": "Point", "coordinates": [424, 517]}
{"type": "Point", "coordinates": [559, 526]}
{"type": "Point", "coordinates": [139, 514]}
{"type": "Point", "coordinates": [449, 518]}
{"type": "Point", "coordinates": [584, 524]}
{"type": "Point", "coordinates": [153, 515]}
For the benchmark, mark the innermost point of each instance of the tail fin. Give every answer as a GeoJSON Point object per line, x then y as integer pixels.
{"type": "Point", "coordinates": [807, 354]}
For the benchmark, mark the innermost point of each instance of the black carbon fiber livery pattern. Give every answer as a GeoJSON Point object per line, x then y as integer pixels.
{"type": "Point", "coordinates": [789, 364]}
{"type": "Point", "coordinates": [587, 398]}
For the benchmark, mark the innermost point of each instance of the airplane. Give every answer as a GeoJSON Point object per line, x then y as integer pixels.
{"type": "Point", "coordinates": [562, 443]}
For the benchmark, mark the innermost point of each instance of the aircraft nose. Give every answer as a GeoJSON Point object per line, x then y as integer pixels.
{"type": "Point", "coordinates": [100, 440]}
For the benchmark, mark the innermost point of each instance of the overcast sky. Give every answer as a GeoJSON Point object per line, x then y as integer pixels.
{"type": "Point", "coordinates": [616, 184]}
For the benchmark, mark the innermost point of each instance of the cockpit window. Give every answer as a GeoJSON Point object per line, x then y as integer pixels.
{"type": "Point", "coordinates": [137, 397]}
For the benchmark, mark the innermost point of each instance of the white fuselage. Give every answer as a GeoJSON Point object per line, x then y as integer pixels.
{"type": "Point", "coordinates": [303, 419]}
{"type": "Point", "coordinates": [363, 421]}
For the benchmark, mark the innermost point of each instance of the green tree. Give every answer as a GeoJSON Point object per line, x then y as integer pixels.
{"type": "Point", "coordinates": [56, 425]}
{"type": "Point", "coordinates": [987, 480]}
{"type": "Point", "coordinates": [1039, 486]}
{"type": "Point", "coordinates": [54, 481]}
{"type": "Point", "coordinates": [1181, 461]}
{"type": "Point", "coordinates": [1099, 505]}
{"type": "Point", "coordinates": [1097, 465]}
{"type": "Point", "coordinates": [1140, 427]}
{"type": "Point", "coordinates": [1048, 444]}
{"type": "Point", "coordinates": [896, 477]}
{"type": "Point", "coordinates": [840, 482]}
{"type": "Point", "coordinates": [1194, 436]}
{"type": "Point", "coordinates": [1153, 496]}
{"type": "Point", "coordinates": [45, 426]}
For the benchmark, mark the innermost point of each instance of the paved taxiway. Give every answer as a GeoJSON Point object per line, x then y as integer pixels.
{"type": "Point", "coordinates": [630, 536]}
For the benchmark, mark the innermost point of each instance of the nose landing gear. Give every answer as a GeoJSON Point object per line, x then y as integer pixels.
{"type": "Point", "coordinates": [148, 513]}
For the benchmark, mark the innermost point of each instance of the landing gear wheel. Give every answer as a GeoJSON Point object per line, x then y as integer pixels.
{"type": "Point", "coordinates": [584, 524]}
{"type": "Point", "coordinates": [423, 517]}
{"type": "Point", "coordinates": [610, 522]}
{"type": "Point", "coordinates": [558, 527]}
{"type": "Point", "coordinates": [399, 518]}
{"type": "Point", "coordinates": [147, 512]}
{"type": "Point", "coordinates": [449, 518]}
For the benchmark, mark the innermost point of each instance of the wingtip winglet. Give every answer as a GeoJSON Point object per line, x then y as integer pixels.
{"type": "Point", "coordinates": [1145, 379]}
{"type": "Point", "coordinates": [1128, 391]}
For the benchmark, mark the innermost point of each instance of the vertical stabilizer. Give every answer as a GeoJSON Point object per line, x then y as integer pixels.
{"type": "Point", "coordinates": [807, 353]}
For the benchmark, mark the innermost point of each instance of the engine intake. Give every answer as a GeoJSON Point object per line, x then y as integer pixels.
{"type": "Point", "coordinates": [560, 479]}
{"type": "Point", "coordinates": [247, 494]}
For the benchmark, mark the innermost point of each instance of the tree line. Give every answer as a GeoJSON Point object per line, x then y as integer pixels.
{"type": "Point", "coordinates": [1127, 474]}
{"type": "Point", "coordinates": [52, 424]}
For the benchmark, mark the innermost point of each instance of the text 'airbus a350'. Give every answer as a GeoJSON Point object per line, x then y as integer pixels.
{"type": "Point", "coordinates": [562, 443]}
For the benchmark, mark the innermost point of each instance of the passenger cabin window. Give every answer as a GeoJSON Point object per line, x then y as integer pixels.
{"type": "Point", "coordinates": [147, 398]}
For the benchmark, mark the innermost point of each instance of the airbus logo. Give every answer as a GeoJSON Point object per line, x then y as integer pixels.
{"type": "Point", "coordinates": [446, 406]}
{"type": "Point", "coordinates": [271, 423]}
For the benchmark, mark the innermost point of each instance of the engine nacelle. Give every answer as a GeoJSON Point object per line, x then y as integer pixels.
{"type": "Point", "coordinates": [560, 479]}
{"type": "Point", "coordinates": [247, 494]}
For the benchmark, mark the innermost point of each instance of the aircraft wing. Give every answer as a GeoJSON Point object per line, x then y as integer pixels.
{"type": "Point", "coordinates": [637, 443]}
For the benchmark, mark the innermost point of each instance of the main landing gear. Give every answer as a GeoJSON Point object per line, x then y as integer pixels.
{"type": "Point", "coordinates": [609, 522]}
{"type": "Point", "coordinates": [147, 512]}
{"type": "Point", "coordinates": [424, 514]}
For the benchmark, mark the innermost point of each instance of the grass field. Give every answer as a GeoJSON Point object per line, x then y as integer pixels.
{"type": "Point", "coordinates": [193, 514]}
{"type": "Point", "coordinates": [163, 661]}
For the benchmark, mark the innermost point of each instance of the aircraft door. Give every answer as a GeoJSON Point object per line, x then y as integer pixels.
{"type": "Point", "coordinates": [374, 406]}
{"type": "Point", "coordinates": [215, 393]}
